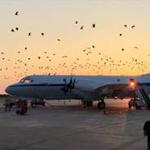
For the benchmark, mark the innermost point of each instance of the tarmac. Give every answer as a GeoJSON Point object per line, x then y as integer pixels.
{"type": "Point", "coordinates": [72, 127]}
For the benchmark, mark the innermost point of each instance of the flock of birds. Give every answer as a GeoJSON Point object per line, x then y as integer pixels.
{"type": "Point", "coordinates": [73, 66]}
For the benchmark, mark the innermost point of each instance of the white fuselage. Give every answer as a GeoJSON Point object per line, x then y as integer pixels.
{"type": "Point", "coordinates": [60, 87]}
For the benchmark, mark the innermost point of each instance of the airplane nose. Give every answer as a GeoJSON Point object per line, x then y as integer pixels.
{"type": "Point", "coordinates": [9, 90]}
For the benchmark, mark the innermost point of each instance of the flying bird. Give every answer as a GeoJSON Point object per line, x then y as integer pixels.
{"type": "Point", "coordinates": [125, 26]}
{"type": "Point", "coordinates": [93, 25]}
{"type": "Point", "coordinates": [12, 30]}
{"type": "Point", "coordinates": [122, 49]}
{"type": "Point", "coordinates": [135, 47]}
{"type": "Point", "coordinates": [42, 34]}
{"type": "Point", "coordinates": [64, 56]}
{"type": "Point", "coordinates": [29, 34]}
{"type": "Point", "coordinates": [16, 13]}
{"type": "Point", "coordinates": [17, 28]}
{"type": "Point", "coordinates": [76, 22]}
{"type": "Point", "coordinates": [59, 40]}
{"type": "Point", "coordinates": [81, 28]}
{"type": "Point", "coordinates": [133, 26]}
{"type": "Point", "coordinates": [93, 46]}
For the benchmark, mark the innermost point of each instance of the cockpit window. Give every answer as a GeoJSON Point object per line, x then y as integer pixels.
{"type": "Point", "coordinates": [25, 80]}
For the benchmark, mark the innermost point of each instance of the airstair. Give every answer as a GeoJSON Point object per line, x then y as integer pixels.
{"type": "Point", "coordinates": [143, 98]}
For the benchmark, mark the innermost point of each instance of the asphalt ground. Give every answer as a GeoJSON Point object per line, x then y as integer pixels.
{"type": "Point", "coordinates": [72, 127]}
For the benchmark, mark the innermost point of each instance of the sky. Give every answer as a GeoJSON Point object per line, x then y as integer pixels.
{"type": "Point", "coordinates": [117, 45]}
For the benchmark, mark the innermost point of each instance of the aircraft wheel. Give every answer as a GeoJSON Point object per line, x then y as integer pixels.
{"type": "Point", "coordinates": [101, 105]}
{"type": "Point", "coordinates": [43, 104]}
{"type": "Point", "coordinates": [132, 105]}
{"type": "Point", "coordinates": [33, 105]}
{"type": "Point", "coordinates": [133, 108]}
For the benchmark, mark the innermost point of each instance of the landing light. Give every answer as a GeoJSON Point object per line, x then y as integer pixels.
{"type": "Point", "coordinates": [132, 84]}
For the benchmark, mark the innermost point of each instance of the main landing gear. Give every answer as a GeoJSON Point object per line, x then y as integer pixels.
{"type": "Point", "coordinates": [36, 102]}
{"type": "Point", "coordinates": [101, 105]}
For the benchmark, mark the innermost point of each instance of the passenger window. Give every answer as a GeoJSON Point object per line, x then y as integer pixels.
{"type": "Point", "coordinates": [27, 81]}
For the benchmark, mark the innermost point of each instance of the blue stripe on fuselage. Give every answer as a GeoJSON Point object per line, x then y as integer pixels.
{"type": "Point", "coordinates": [145, 84]}
{"type": "Point", "coordinates": [58, 85]}
{"type": "Point", "coordinates": [27, 85]}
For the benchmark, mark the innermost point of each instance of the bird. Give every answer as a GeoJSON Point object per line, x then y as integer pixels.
{"type": "Point", "coordinates": [64, 56]}
{"type": "Point", "coordinates": [76, 22]}
{"type": "Point", "coordinates": [59, 40]}
{"type": "Point", "coordinates": [25, 48]}
{"type": "Point", "coordinates": [93, 25]}
{"type": "Point", "coordinates": [29, 34]}
{"type": "Point", "coordinates": [120, 34]}
{"type": "Point", "coordinates": [81, 28]}
{"type": "Point", "coordinates": [42, 34]}
{"type": "Point", "coordinates": [133, 26]}
{"type": "Point", "coordinates": [16, 13]}
{"type": "Point", "coordinates": [17, 28]}
{"type": "Point", "coordinates": [135, 47]}
{"type": "Point", "coordinates": [125, 26]}
{"type": "Point", "coordinates": [93, 46]}
{"type": "Point", "coordinates": [122, 49]}
{"type": "Point", "coordinates": [12, 30]}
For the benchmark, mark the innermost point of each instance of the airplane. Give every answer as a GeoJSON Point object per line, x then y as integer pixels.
{"type": "Point", "coordinates": [84, 88]}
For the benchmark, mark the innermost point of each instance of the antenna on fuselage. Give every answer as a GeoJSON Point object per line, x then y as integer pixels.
{"type": "Point", "coordinates": [68, 86]}
{"type": "Point", "coordinates": [71, 84]}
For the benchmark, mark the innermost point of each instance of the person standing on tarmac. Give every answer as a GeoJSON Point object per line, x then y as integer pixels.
{"type": "Point", "coordinates": [7, 104]}
{"type": "Point", "coordinates": [22, 107]}
{"type": "Point", "coordinates": [146, 129]}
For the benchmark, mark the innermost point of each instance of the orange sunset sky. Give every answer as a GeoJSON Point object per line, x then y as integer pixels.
{"type": "Point", "coordinates": [80, 37]}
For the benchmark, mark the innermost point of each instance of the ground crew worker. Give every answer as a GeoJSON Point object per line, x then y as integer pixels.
{"type": "Point", "coordinates": [21, 107]}
{"type": "Point", "coordinates": [7, 104]}
{"type": "Point", "coordinates": [24, 107]}
{"type": "Point", "coordinates": [18, 103]}
{"type": "Point", "coordinates": [147, 133]}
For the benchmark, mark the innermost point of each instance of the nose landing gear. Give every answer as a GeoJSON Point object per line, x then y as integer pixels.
{"type": "Point", "coordinates": [101, 105]}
